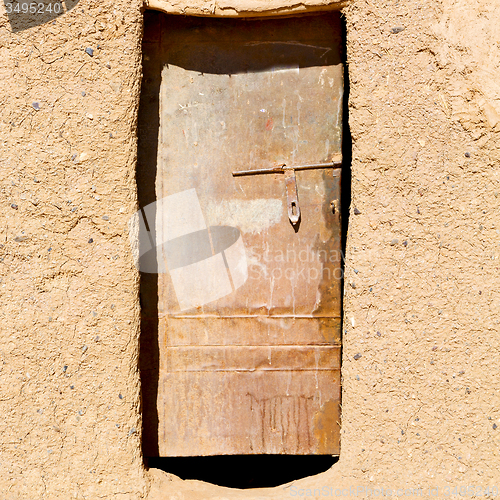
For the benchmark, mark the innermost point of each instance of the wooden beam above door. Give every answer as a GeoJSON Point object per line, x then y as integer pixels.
{"type": "Point", "coordinates": [244, 8]}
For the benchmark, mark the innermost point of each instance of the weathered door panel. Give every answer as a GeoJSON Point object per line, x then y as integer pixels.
{"type": "Point", "coordinates": [249, 304]}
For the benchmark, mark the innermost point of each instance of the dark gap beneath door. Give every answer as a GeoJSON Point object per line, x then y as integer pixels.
{"type": "Point", "coordinates": [245, 471]}
{"type": "Point", "coordinates": [237, 471]}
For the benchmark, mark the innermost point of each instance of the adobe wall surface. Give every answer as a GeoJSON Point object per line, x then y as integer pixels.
{"type": "Point", "coordinates": [70, 425]}
{"type": "Point", "coordinates": [420, 405]}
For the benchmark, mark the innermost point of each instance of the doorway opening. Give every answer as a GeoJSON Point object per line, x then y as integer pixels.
{"type": "Point", "coordinates": [235, 470]}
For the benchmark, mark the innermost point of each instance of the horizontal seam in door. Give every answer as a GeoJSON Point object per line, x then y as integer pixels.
{"type": "Point", "coordinates": [259, 370]}
{"type": "Point", "coordinates": [267, 346]}
{"type": "Point", "coordinates": [196, 316]}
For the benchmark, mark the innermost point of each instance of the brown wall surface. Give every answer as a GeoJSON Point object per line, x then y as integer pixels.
{"type": "Point", "coordinates": [421, 306]}
{"type": "Point", "coordinates": [69, 406]}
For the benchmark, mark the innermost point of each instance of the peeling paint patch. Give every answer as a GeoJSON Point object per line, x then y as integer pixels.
{"type": "Point", "coordinates": [250, 216]}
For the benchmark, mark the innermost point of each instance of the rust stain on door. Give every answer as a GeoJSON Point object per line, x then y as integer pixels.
{"type": "Point", "coordinates": [250, 300]}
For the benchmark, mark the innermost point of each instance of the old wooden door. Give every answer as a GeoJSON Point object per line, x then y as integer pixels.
{"type": "Point", "coordinates": [249, 302]}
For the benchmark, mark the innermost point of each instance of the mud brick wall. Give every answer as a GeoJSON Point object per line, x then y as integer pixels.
{"type": "Point", "coordinates": [421, 303]}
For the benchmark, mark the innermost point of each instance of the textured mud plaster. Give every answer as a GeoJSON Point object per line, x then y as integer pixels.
{"type": "Point", "coordinates": [421, 339]}
{"type": "Point", "coordinates": [69, 405]}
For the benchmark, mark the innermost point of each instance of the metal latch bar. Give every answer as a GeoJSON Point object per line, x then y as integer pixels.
{"type": "Point", "coordinates": [280, 169]}
{"type": "Point", "coordinates": [291, 182]}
